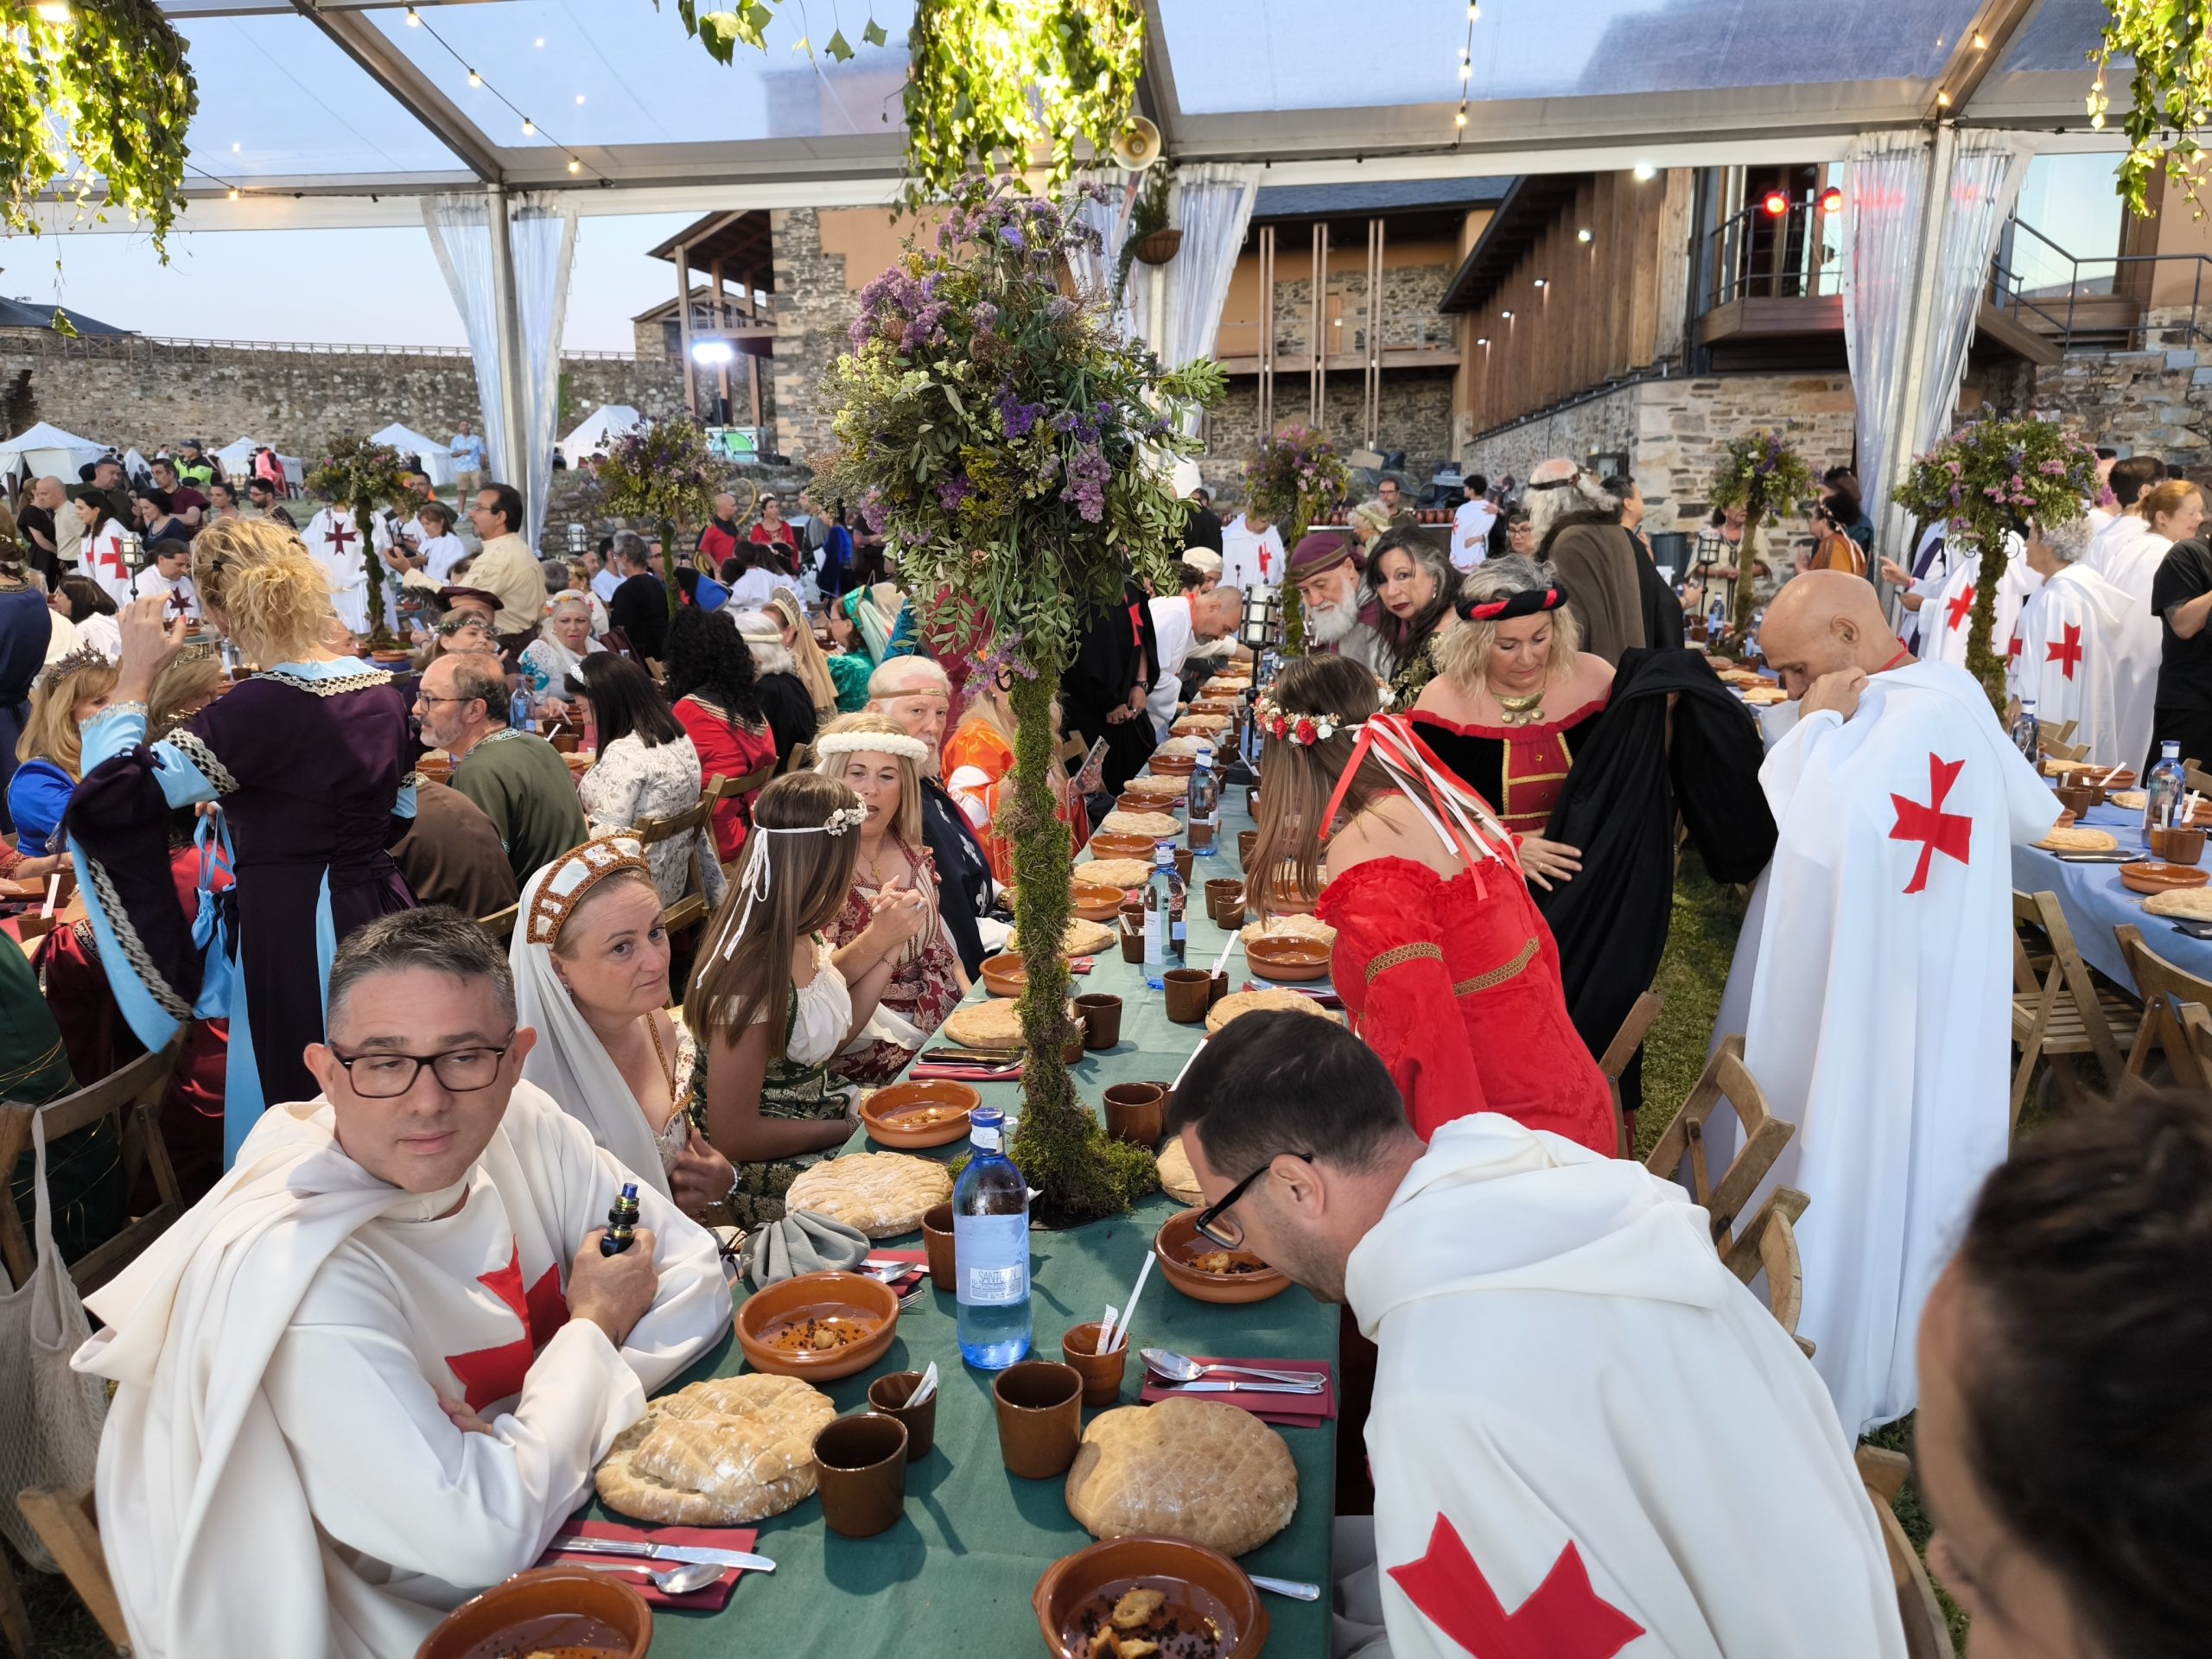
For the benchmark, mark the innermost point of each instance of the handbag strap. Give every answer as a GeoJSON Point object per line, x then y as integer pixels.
{"type": "Point", "coordinates": [42, 1214]}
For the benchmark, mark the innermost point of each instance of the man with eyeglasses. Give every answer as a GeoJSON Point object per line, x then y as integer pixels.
{"type": "Point", "coordinates": [373, 1369]}
{"type": "Point", "coordinates": [1586, 1436]}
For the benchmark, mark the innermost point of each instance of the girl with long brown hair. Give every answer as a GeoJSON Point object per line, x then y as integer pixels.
{"type": "Point", "coordinates": [771, 1004]}
{"type": "Point", "coordinates": [1443, 964]}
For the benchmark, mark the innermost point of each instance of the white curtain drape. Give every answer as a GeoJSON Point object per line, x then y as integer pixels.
{"type": "Point", "coordinates": [1178, 305]}
{"type": "Point", "coordinates": [1986, 168]}
{"type": "Point", "coordinates": [1885, 185]}
{"type": "Point", "coordinates": [542, 237]}
{"type": "Point", "coordinates": [1094, 272]}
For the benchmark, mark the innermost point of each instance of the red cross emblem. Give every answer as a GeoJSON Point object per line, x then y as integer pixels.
{"type": "Point", "coordinates": [2013, 650]}
{"type": "Point", "coordinates": [340, 533]}
{"type": "Point", "coordinates": [1937, 831]}
{"type": "Point", "coordinates": [1562, 1618]}
{"type": "Point", "coordinates": [2068, 654]}
{"type": "Point", "coordinates": [109, 556]}
{"type": "Point", "coordinates": [1136, 626]}
{"type": "Point", "coordinates": [1960, 606]}
{"type": "Point", "coordinates": [490, 1374]}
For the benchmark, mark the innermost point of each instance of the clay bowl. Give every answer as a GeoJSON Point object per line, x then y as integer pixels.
{"type": "Point", "coordinates": [1094, 901]}
{"type": "Point", "coordinates": [2151, 877]}
{"type": "Point", "coordinates": [437, 765]}
{"type": "Point", "coordinates": [1177, 1244]}
{"type": "Point", "coordinates": [819, 1295]}
{"type": "Point", "coordinates": [1145, 804]}
{"type": "Point", "coordinates": [545, 1592]}
{"type": "Point", "coordinates": [1288, 961]}
{"type": "Point", "coordinates": [1004, 974]}
{"type": "Point", "coordinates": [910, 1115]}
{"type": "Point", "coordinates": [1171, 1565]}
{"type": "Point", "coordinates": [1172, 766]}
{"type": "Point", "coordinates": [1115, 843]}
{"type": "Point", "coordinates": [1212, 706]}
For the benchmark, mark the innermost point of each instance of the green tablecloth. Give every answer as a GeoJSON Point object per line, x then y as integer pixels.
{"type": "Point", "coordinates": [954, 1576]}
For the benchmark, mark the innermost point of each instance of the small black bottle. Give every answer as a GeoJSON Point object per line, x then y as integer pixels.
{"type": "Point", "coordinates": [621, 1222]}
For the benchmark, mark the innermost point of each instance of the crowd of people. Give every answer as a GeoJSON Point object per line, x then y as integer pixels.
{"type": "Point", "coordinates": [1474, 776]}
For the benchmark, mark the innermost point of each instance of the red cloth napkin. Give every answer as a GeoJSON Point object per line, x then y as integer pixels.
{"type": "Point", "coordinates": [710, 1598]}
{"type": "Point", "coordinates": [962, 1073]}
{"type": "Point", "coordinates": [1081, 964]}
{"type": "Point", "coordinates": [1291, 1410]}
{"type": "Point", "coordinates": [917, 1259]}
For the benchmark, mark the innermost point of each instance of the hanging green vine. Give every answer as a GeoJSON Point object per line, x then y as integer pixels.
{"type": "Point", "coordinates": [94, 103]}
{"type": "Point", "coordinates": [991, 86]}
{"type": "Point", "coordinates": [2171, 90]}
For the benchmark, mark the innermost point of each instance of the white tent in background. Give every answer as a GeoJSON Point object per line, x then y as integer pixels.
{"type": "Point", "coordinates": [47, 451]}
{"type": "Point", "coordinates": [437, 460]}
{"type": "Point", "coordinates": [236, 462]}
{"type": "Point", "coordinates": [605, 423]}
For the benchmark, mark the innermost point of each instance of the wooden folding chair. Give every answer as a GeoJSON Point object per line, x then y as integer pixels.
{"type": "Point", "coordinates": [1769, 1244]}
{"type": "Point", "coordinates": [2196, 777]}
{"type": "Point", "coordinates": [500, 924]}
{"type": "Point", "coordinates": [2167, 991]}
{"type": "Point", "coordinates": [68, 1526]}
{"type": "Point", "coordinates": [1727, 1078]}
{"type": "Point", "coordinates": [1927, 1632]}
{"type": "Point", "coordinates": [2053, 740]}
{"type": "Point", "coordinates": [1619, 1053]}
{"type": "Point", "coordinates": [2061, 1012]}
{"type": "Point", "coordinates": [719, 789]}
{"type": "Point", "coordinates": [134, 1095]}
{"type": "Point", "coordinates": [691, 908]}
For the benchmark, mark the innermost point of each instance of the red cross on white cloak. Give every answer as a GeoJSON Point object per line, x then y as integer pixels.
{"type": "Point", "coordinates": [1938, 831]}
{"type": "Point", "coordinates": [1563, 1617]}
{"type": "Point", "coordinates": [2068, 654]}
{"type": "Point", "coordinates": [2013, 650]}
{"type": "Point", "coordinates": [340, 533]}
{"type": "Point", "coordinates": [490, 1374]}
{"type": "Point", "coordinates": [1959, 608]}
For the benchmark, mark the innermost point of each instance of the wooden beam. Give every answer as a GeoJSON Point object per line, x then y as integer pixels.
{"type": "Point", "coordinates": [1973, 56]}
{"type": "Point", "coordinates": [684, 326]}
{"type": "Point", "coordinates": [752, 360]}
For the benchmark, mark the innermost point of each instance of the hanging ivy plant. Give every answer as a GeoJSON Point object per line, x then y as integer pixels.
{"type": "Point", "coordinates": [2171, 90]}
{"type": "Point", "coordinates": [991, 86]}
{"type": "Point", "coordinates": [94, 104]}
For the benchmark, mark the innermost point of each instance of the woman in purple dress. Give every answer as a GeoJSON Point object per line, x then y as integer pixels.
{"type": "Point", "coordinates": [312, 763]}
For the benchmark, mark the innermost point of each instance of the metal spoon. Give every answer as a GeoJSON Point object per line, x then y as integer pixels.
{"type": "Point", "coordinates": [1181, 1368]}
{"type": "Point", "coordinates": [1296, 1589]}
{"type": "Point", "coordinates": [683, 1580]}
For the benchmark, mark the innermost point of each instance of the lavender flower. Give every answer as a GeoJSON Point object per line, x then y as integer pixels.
{"type": "Point", "coordinates": [954, 491]}
{"type": "Point", "coordinates": [1012, 237]}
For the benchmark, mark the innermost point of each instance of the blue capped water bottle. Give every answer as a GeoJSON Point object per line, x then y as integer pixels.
{"type": "Point", "coordinates": [2165, 790]}
{"type": "Point", "coordinates": [990, 1248]}
{"type": "Point", "coordinates": [1204, 803]}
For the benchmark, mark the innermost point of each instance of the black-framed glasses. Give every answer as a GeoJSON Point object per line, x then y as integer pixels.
{"type": "Point", "coordinates": [459, 1071]}
{"type": "Point", "coordinates": [1213, 1224]}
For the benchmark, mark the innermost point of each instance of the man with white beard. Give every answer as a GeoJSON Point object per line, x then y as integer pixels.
{"type": "Point", "coordinates": [1577, 525]}
{"type": "Point", "coordinates": [1325, 566]}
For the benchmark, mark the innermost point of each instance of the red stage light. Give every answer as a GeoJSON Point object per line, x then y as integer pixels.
{"type": "Point", "coordinates": [1832, 200]}
{"type": "Point", "coordinates": [1778, 204]}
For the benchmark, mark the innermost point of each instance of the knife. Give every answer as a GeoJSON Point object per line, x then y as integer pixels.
{"type": "Point", "coordinates": [1211, 1387]}
{"type": "Point", "coordinates": [663, 1553]}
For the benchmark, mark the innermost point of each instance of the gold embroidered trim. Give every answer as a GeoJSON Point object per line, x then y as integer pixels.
{"type": "Point", "coordinates": [1497, 976]}
{"type": "Point", "coordinates": [331, 687]}
{"type": "Point", "coordinates": [1399, 954]}
{"type": "Point", "coordinates": [194, 749]}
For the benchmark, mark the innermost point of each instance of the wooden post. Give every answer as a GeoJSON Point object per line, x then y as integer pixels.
{"type": "Point", "coordinates": [1266, 329]}
{"type": "Point", "coordinates": [1317, 373]}
{"type": "Point", "coordinates": [722, 327]}
{"type": "Point", "coordinates": [752, 359]}
{"type": "Point", "coordinates": [1373, 375]}
{"type": "Point", "coordinates": [683, 325]}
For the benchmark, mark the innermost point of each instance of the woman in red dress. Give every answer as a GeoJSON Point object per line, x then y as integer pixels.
{"type": "Point", "coordinates": [711, 684]}
{"type": "Point", "coordinates": [1443, 964]}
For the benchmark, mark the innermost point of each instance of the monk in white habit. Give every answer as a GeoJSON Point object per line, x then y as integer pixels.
{"type": "Point", "coordinates": [1946, 618]}
{"type": "Point", "coordinates": [1554, 1333]}
{"type": "Point", "coordinates": [2067, 655]}
{"type": "Point", "coordinates": [1872, 979]}
{"type": "Point", "coordinates": [371, 1373]}
{"type": "Point", "coordinates": [333, 539]}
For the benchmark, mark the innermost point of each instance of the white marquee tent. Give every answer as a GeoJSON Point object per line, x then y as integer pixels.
{"type": "Point", "coordinates": [237, 461]}
{"type": "Point", "coordinates": [603, 425]}
{"type": "Point", "coordinates": [47, 451]}
{"type": "Point", "coordinates": [436, 459]}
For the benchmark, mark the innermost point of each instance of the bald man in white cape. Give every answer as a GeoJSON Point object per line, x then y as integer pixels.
{"type": "Point", "coordinates": [372, 1371]}
{"type": "Point", "coordinates": [1873, 976]}
{"type": "Point", "coordinates": [1946, 619]}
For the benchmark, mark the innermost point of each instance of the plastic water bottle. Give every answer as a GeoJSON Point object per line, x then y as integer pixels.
{"type": "Point", "coordinates": [1716, 621]}
{"type": "Point", "coordinates": [990, 1248]}
{"type": "Point", "coordinates": [2165, 790]}
{"type": "Point", "coordinates": [1204, 803]}
{"type": "Point", "coordinates": [1163, 915]}
{"type": "Point", "coordinates": [2027, 733]}
{"type": "Point", "coordinates": [518, 710]}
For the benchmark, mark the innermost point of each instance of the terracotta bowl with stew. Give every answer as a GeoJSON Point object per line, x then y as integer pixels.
{"type": "Point", "coordinates": [866, 1303]}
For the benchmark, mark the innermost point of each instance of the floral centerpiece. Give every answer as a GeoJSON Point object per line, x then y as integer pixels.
{"type": "Point", "coordinates": [1013, 449]}
{"type": "Point", "coordinates": [667, 476]}
{"type": "Point", "coordinates": [1296, 476]}
{"type": "Point", "coordinates": [1766, 478]}
{"type": "Point", "coordinates": [1987, 481]}
{"type": "Point", "coordinates": [365, 476]}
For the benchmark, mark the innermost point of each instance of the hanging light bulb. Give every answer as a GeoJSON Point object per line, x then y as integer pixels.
{"type": "Point", "coordinates": [529, 128]}
{"type": "Point", "coordinates": [475, 79]}
{"type": "Point", "coordinates": [580, 97]}
{"type": "Point", "coordinates": [234, 192]}
{"type": "Point", "coordinates": [575, 166]}
{"type": "Point", "coordinates": [1461, 119]}
{"type": "Point", "coordinates": [1466, 70]}
{"type": "Point", "coordinates": [1474, 11]}
{"type": "Point", "coordinates": [414, 18]}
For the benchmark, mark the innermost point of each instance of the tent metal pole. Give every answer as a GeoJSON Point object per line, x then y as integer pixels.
{"type": "Point", "coordinates": [514, 460]}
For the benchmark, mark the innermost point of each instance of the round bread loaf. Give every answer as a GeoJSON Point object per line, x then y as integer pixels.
{"type": "Point", "coordinates": [1177, 1179]}
{"type": "Point", "coordinates": [882, 1193]}
{"type": "Point", "coordinates": [2078, 840]}
{"type": "Point", "coordinates": [1243, 1002]}
{"type": "Point", "coordinates": [1290, 927]}
{"type": "Point", "coordinates": [1123, 873]}
{"type": "Point", "coordinates": [1118, 823]}
{"type": "Point", "coordinates": [995, 1022]}
{"type": "Point", "coordinates": [1195, 1469]}
{"type": "Point", "coordinates": [2185, 904]}
{"type": "Point", "coordinates": [719, 1454]}
{"type": "Point", "coordinates": [1082, 938]}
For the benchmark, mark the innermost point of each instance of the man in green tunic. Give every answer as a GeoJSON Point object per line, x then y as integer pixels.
{"type": "Point", "coordinates": [518, 779]}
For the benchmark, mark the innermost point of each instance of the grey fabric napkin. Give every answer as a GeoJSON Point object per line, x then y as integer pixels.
{"type": "Point", "coordinates": [801, 1243]}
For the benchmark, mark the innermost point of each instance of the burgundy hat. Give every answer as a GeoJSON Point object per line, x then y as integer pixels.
{"type": "Point", "coordinates": [1321, 550]}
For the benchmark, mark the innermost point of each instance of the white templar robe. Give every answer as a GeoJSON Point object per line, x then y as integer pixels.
{"type": "Point", "coordinates": [1555, 1333]}
{"type": "Point", "coordinates": [2065, 659]}
{"type": "Point", "coordinates": [2127, 555]}
{"type": "Point", "coordinates": [335, 541]}
{"type": "Point", "coordinates": [1946, 619]}
{"type": "Point", "coordinates": [1874, 978]}
{"type": "Point", "coordinates": [277, 1475]}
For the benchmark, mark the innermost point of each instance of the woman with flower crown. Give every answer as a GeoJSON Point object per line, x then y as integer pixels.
{"type": "Point", "coordinates": [1445, 966]}
{"type": "Point", "coordinates": [771, 1003]}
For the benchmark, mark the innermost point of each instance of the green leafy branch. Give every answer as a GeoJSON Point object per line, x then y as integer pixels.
{"type": "Point", "coordinates": [2171, 91]}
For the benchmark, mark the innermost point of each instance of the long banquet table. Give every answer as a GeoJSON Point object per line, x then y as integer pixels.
{"type": "Point", "coordinates": [2095, 903]}
{"type": "Point", "coordinates": [954, 1576]}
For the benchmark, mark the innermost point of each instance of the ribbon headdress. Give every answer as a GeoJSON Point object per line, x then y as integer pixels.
{"type": "Point", "coordinates": [1461, 818]}
{"type": "Point", "coordinates": [753, 880]}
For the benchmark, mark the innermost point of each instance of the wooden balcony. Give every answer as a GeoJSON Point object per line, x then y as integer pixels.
{"type": "Point", "coordinates": [1758, 331]}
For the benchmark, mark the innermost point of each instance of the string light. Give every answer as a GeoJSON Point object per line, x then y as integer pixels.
{"type": "Point", "coordinates": [1583, 236]}
{"type": "Point", "coordinates": [1645, 172]}
{"type": "Point", "coordinates": [414, 18]}
{"type": "Point", "coordinates": [529, 128]}
{"type": "Point", "coordinates": [1466, 68]}
{"type": "Point", "coordinates": [234, 192]}
{"type": "Point", "coordinates": [475, 79]}
{"type": "Point", "coordinates": [580, 97]}
{"type": "Point", "coordinates": [575, 166]}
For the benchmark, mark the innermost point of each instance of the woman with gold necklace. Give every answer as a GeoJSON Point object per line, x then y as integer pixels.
{"type": "Point", "coordinates": [1513, 699]}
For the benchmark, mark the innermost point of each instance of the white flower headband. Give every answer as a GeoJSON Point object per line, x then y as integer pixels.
{"type": "Point", "coordinates": [1305, 730]}
{"type": "Point", "coordinates": [754, 880]}
{"type": "Point", "coordinates": [898, 743]}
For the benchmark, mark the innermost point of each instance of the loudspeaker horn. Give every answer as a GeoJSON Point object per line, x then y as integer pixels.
{"type": "Point", "coordinates": [1138, 147]}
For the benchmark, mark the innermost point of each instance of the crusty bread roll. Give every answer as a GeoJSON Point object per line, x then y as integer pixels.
{"type": "Point", "coordinates": [995, 1022]}
{"type": "Point", "coordinates": [719, 1454]}
{"type": "Point", "coordinates": [1177, 1179]}
{"type": "Point", "coordinates": [882, 1193]}
{"type": "Point", "coordinates": [1243, 1002]}
{"type": "Point", "coordinates": [1195, 1469]}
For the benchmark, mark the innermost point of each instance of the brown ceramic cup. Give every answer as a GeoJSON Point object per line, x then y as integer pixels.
{"type": "Point", "coordinates": [1101, 1020]}
{"type": "Point", "coordinates": [1039, 1406]}
{"type": "Point", "coordinates": [1137, 1112]}
{"type": "Point", "coordinates": [936, 1242]}
{"type": "Point", "coordinates": [889, 1394]}
{"type": "Point", "coordinates": [1101, 1373]}
{"type": "Point", "coordinates": [2076, 798]}
{"type": "Point", "coordinates": [1223, 892]}
{"type": "Point", "coordinates": [1246, 841]}
{"type": "Point", "coordinates": [1201, 835]}
{"type": "Point", "coordinates": [2178, 844]}
{"type": "Point", "coordinates": [860, 1466]}
{"type": "Point", "coordinates": [1183, 864]}
{"type": "Point", "coordinates": [1189, 994]}
{"type": "Point", "coordinates": [1216, 988]}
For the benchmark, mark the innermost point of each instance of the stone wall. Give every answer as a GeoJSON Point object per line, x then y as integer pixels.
{"type": "Point", "coordinates": [814, 308]}
{"type": "Point", "coordinates": [1416, 418]}
{"type": "Point", "coordinates": [2155, 402]}
{"type": "Point", "coordinates": [131, 392]}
